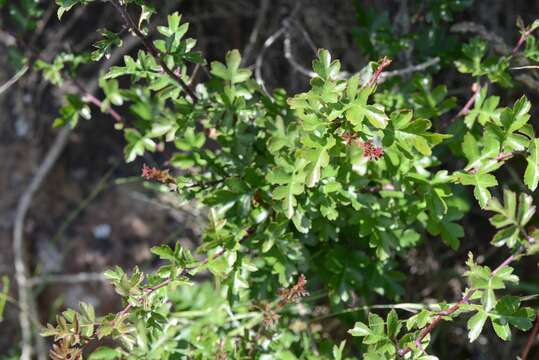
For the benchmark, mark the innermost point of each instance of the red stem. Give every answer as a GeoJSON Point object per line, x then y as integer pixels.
{"type": "Point", "coordinates": [383, 64]}
{"type": "Point", "coordinates": [531, 339]}
{"type": "Point", "coordinates": [466, 108]}
{"type": "Point", "coordinates": [90, 98]}
{"type": "Point", "coordinates": [465, 299]}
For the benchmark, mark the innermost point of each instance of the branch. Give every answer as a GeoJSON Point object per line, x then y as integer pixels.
{"type": "Point", "coordinates": [408, 70]}
{"type": "Point", "coordinates": [184, 272]}
{"type": "Point", "coordinates": [466, 108]}
{"type": "Point", "coordinates": [19, 74]}
{"type": "Point", "coordinates": [259, 22]}
{"type": "Point", "coordinates": [152, 49]}
{"type": "Point", "coordinates": [470, 27]}
{"type": "Point", "coordinates": [66, 278]}
{"type": "Point", "coordinates": [465, 299]}
{"type": "Point", "coordinates": [531, 339]}
{"type": "Point", "coordinates": [382, 77]}
{"type": "Point", "coordinates": [260, 58]}
{"type": "Point", "coordinates": [88, 97]}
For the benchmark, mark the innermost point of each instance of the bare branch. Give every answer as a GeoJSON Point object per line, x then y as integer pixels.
{"type": "Point", "coordinates": [259, 22]}
{"type": "Point", "coordinates": [66, 278]}
{"type": "Point", "coordinates": [260, 58]}
{"type": "Point", "coordinates": [19, 74]}
{"type": "Point", "coordinates": [408, 70]}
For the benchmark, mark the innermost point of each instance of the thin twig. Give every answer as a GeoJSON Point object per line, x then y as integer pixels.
{"type": "Point", "coordinates": [288, 55]}
{"type": "Point", "coordinates": [524, 67]}
{"type": "Point", "coordinates": [465, 299]}
{"type": "Point", "coordinates": [152, 49]}
{"type": "Point", "coordinates": [92, 99]}
{"type": "Point", "coordinates": [13, 80]}
{"type": "Point", "coordinates": [259, 22]}
{"type": "Point", "coordinates": [466, 108]}
{"type": "Point", "coordinates": [500, 47]}
{"type": "Point", "coordinates": [66, 278]}
{"type": "Point", "coordinates": [408, 70]}
{"type": "Point", "coordinates": [531, 339]}
{"type": "Point", "coordinates": [260, 58]}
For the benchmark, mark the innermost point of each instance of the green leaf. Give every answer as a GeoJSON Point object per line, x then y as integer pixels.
{"type": "Point", "coordinates": [393, 325]}
{"type": "Point", "coordinates": [104, 353]}
{"type": "Point", "coordinates": [481, 182]}
{"type": "Point", "coordinates": [325, 67]}
{"type": "Point", "coordinates": [360, 330]}
{"type": "Point", "coordinates": [231, 72]}
{"type": "Point", "coordinates": [508, 312]}
{"type": "Point", "coordinates": [531, 176]}
{"type": "Point", "coordinates": [66, 5]}
{"type": "Point", "coordinates": [316, 158]}
{"type": "Point", "coordinates": [475, 325]}
{"type": "Point", "coordinates": [338, 350]}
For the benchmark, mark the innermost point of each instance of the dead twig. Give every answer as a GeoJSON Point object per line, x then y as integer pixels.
{"type": "Point", "coordinates": [13, 80]}
{"type": "Point", "coordinates": [253, 38]}
{"type": "Point", "coordinates": [66, 278]}
{"type": "Point", "coordinates": [260, 58]}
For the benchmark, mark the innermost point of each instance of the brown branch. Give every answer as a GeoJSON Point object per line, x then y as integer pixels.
{"type": "Point", "coordinates": [531, 339]}
{"type": "Point", "coordinates": [152, 49]}
{"type": "Point", "coordinates": [440, 317]}
{"type": "Point", "coordinates": [466, 108]}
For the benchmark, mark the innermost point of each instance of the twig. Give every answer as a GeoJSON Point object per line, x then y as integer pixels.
{"type": "Point", "coordinates": [408, 70]}
{"type": "Point", "coordinates": [466, 108]}
{"type": "Point", "coordinates": [531, 339]}
{"type": "Point", "coordinates": [288, 55]}
{"type": "Point", "coordinates": [306, 36]}
{"type": "Point", "coordinates": [19, 74]}
{"type": "Point", "coordinates": [100, 186]}
{"type": "Point", "coordinates": [149, 291]}
{"type": "Point", "coordinates": [465, 299]}
{"type": "Point", "coordinates": [88, 97]}
{"type": "Point", "coordinates": [259, 22]}
{"type": "Point", "coordinates": [260, 58]}
{"type": "Point", "coordinates": [471, 27]}
{"type": "Point", "coordinates": [66, 278]}
{"type": "Point", "coordinates": [152, 49]}
{"type": "Point", "coordinates": [524, 67]}
{"type": "Point", "coordinates": [385, 62]}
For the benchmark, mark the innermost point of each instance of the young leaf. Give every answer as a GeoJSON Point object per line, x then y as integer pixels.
{"type": "Point", "coordinates": [531, 176]}
{"type": "Point", "coordinates": [475, 325]}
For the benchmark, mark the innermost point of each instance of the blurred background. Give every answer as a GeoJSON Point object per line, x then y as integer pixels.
{"type": "Point", "coordinates": [74, 208]}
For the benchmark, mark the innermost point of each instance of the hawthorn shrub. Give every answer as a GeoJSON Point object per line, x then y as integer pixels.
{"type": "Point", "coordinates": [312, 198]}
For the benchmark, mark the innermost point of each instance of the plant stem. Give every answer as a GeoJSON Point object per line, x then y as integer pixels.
{"type": "Point", "coordinates": [152, 49]}
{"type": "Point", "coordinates": [465, 299]}
{"type": "Point", "coordinates": [531, 339]}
